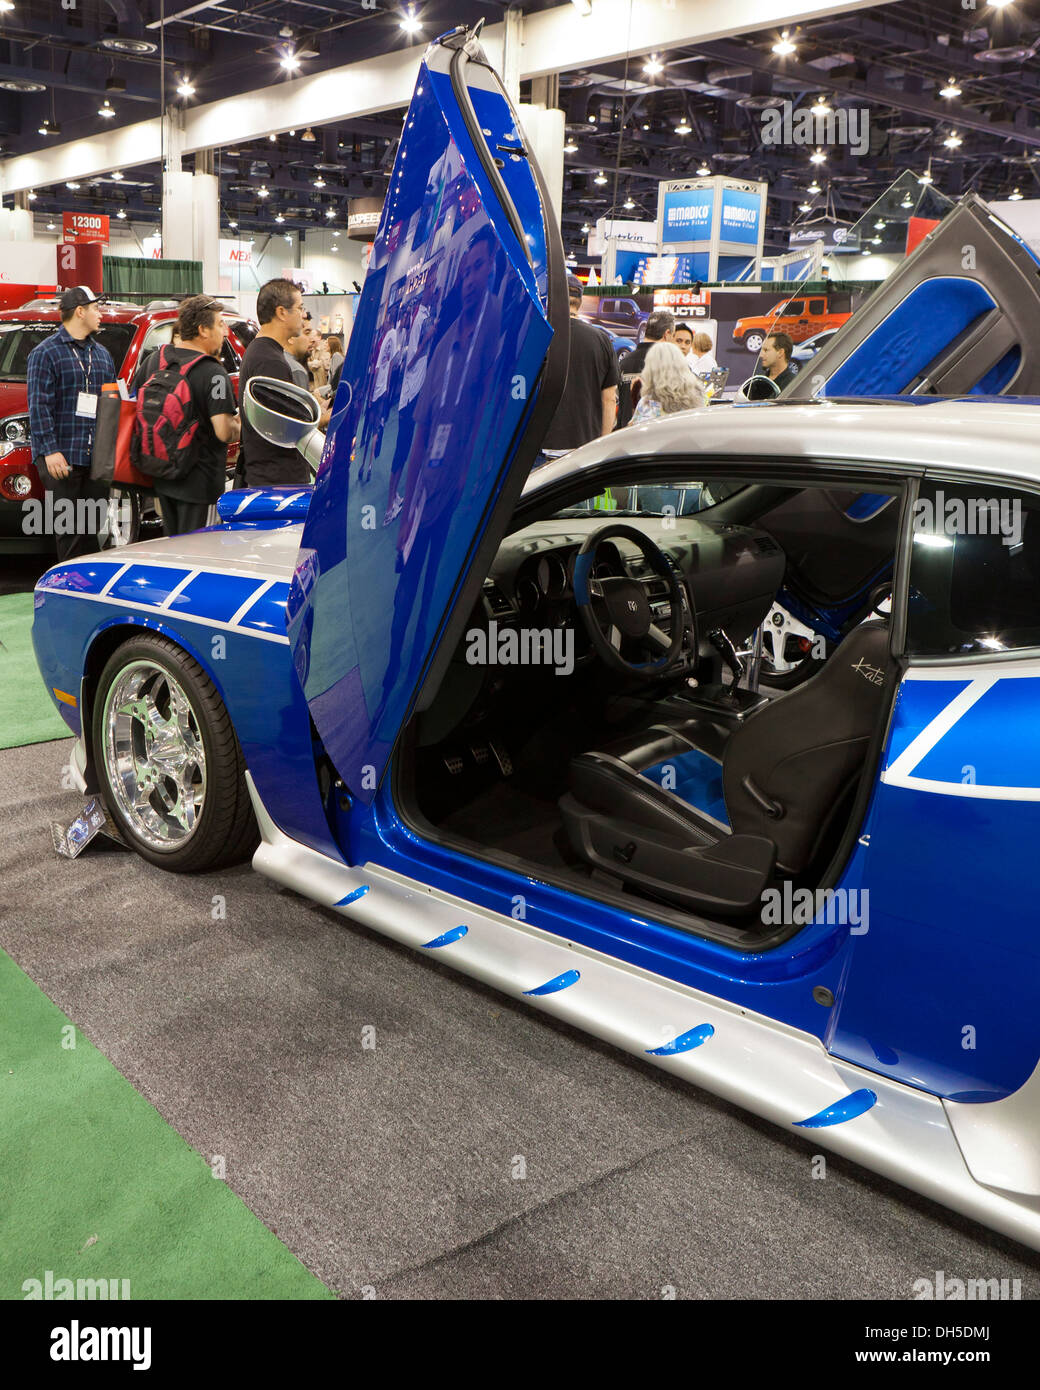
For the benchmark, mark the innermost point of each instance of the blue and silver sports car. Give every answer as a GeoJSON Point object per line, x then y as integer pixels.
{"type": "Point", "coordinates": [514, 721]}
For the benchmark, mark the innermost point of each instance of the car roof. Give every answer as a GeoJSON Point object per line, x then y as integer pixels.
{"type": "Point", "coordinates": [110, 313]}
{"type": "Point", "coordinates": [974, 435]}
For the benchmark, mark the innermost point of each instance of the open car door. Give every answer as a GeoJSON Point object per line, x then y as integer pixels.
{"type": "Point", "coordinates": [455, 365]}
{"type": "Point", "coordinates": [958, 317]}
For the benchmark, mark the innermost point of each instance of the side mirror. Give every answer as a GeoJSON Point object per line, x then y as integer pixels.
{"type": "Point", "coordinates": [759, 388]}
{"type": "Point", "coordinates": [286, 415]}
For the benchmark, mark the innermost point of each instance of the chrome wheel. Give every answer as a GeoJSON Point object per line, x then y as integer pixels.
{"type": "Point", "coordinates": [154, 755]}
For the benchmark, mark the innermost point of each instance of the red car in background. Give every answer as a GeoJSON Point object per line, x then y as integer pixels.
{"type": "Point", "coordinates": [129, 332]}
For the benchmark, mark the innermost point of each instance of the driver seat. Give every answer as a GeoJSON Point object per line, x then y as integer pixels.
{"type": "Point", "coordinates": [699, 816]}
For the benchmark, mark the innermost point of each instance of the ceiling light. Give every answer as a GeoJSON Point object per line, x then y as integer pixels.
{"type": "Point", "coordinates": [999, 4]}
{"type": "Point", "coordinates": [586, 229]}
{"type": "Point", "coordinates": [409, 23]}
{"type": "Point", "coordinates": [703, 172]}
{"type": "Point", "coordinates": [279, 218]}
{"type": "Point", "coordinates": [584, 7]}
{"type": "Point", "coordinates": [805, 207]}
{"type": "Point", "coordinates": [6, 6]}
{"type": "Point", "coordinates": [288, 237]}
{"type": "Point", "coordinates": [116, 174]}
{"type": "Point", "coordinates": [950, 90]}
{"type": "Point", "coordinates": [628, 204]}
{"type": "Point", "coordinates": [50, 226]}
{"type": "Point", "coordinates": [570, 147]}
{"type": "Point", "coordinates": [600, 178]}
{"type": "Point", "coordinates": [184, 88]}
{"type": "Point", "coordinates": [592, 119]}
{"type": "Point", "coordinates": [820, 107]}
{"type": "Point", "coordinates": [817, 157]}
{"type": "Point", "coordinates": [308, 135]}
{"type": "Point", "coordinates": [1015, 196]}
{"type": "Point", "coordinates": [31, 196]}
{"type": "Point", "coordinates": [49, 128]}
{"type": "Point", "coordinates": [684, 127]}
{"type": "Point", "coordinates": [866, 251]}
{"type": "Point", "coordinates": [289, 61]}
{"type": "Point", "coordinates": [880, 224]}
{"type": "Point", "coordinates": [926, 177]}
{"type": "Point", "coordinates": [272, 136]}
{"type": "Point", "coordinates": [953, 140]}
{"type": "Point", "coordinates": [121, 214]}
{"type": "Point", "coordinates": [814, 187]}
{"type": "Point", "coordinates": [263, 191]}
{"type": "Point", "coordinates": [646, 126]}
{"type": "Point", "coordinates": [330, 212]}
{"type": "Point", "coordinates": [319, 182]}
{"type": "Point", "coordinates": [907, 202]}
{"type": "Point", "coordinates": [875, 241]}
{"type": "Point", "coordinates": [71, 183]}
{"type": "Point", "coordinates": [107, 110]}
{"type": "Point", "coordinates": [653, 66]}
{"type": "Point", "coordinates": [232, 225]}
{"type": "Point", "coordinates": [783, 45]}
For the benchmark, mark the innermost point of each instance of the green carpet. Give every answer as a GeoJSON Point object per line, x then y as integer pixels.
{"type": "Point", "coordinates": [27, 713]}
{"type": "Point", "coordinates": [94, 1184]}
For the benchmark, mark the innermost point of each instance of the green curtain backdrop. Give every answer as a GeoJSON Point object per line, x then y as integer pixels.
{"type": "Point", "coordinates": [134, 278]}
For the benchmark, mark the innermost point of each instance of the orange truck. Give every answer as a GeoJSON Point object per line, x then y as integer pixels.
{"type": "Point", "coordinates": [799, 317]}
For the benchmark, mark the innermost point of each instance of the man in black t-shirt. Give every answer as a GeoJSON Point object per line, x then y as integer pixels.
{"type": "Point", "coordinates": [279, 310]}
{"type": "Point", "coordinates": [186, 501]}
{"type": "Point", "coordinates": [589, 404]}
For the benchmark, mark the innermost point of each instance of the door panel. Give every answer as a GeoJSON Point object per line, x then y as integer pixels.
{"type": "Point", "coordinates": [448, 382]}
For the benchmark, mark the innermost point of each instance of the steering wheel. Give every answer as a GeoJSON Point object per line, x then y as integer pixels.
{"type": "Point", "coordinates": [617, 613]}
{"type": "Point", "coordinates": [759, 388]}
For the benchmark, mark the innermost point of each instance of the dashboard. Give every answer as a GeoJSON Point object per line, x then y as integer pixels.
{"type": "Point", "coordinates": [731, 573]}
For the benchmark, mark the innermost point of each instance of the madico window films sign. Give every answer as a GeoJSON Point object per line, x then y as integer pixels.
{"type": "Point", "coordinates": [687, 214]}
{"type": "Point", "coordinates": [741, 214]}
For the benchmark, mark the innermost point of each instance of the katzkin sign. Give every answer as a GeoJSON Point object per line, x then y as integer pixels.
{"type": "Point", "coordinates": [836, 236]}
{"type": "Point", "coordinates": [687, 214]}
{"type": "Point", "coordinates": [84, 226]}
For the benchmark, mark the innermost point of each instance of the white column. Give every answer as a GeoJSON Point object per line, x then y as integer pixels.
{"type": "Point", "coordinates": [205, 217]}
{"type": "Point", "coordinates": [512, 43]}
{"type": "Point", "coordinates": [544, 134]}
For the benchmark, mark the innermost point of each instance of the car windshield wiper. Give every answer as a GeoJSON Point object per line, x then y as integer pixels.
{"type": "Point", "coordinates": [11, 376]}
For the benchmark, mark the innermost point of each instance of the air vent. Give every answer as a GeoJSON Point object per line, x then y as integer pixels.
{"type": "Point", "coordinates": [767, 545]}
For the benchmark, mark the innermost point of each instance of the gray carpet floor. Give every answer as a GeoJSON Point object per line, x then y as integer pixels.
{"type": "Point", "coordinates": [479, 1150]}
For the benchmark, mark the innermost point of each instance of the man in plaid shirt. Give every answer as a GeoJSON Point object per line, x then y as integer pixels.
{"type": "Point", "coordinates": [65, 375]}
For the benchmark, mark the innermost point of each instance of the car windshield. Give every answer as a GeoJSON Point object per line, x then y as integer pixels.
{"type": "Point", "coordinates": [656, 499]}
{"type": "Point", "coordinates": [17, 340]}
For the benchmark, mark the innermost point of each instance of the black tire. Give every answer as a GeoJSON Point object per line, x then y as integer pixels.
{"type": "Point", "coordinates": [226, 831]}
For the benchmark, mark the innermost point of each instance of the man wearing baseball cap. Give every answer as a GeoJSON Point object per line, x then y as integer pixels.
{"type": "Point", "coordinates": [65, 375]}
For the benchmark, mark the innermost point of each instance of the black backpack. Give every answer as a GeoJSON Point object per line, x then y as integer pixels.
{"type": "Point", "coordinates": [165, 434]}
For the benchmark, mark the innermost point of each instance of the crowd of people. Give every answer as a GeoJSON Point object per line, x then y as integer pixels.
{"type": "Point", "coordinates": [665, 373]}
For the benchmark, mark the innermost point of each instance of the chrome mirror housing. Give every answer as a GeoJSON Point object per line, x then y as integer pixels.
{"type": "Point", "coordinates": [286, 415]}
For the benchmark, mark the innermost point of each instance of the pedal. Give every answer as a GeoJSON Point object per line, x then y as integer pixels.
{"type": "Point", "coordinates": [479, 753]}
{"type": "Point", "coordinates": [453, 764]}
{"type": "Point", "coordinates": [505, 762]}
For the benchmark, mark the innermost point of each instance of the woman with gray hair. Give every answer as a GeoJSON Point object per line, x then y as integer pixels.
{"type": "Point", "coordinates": [667, 384]}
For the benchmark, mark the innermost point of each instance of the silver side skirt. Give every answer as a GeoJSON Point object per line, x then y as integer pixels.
{"type": "Point", "coordinates": [773, 1070]}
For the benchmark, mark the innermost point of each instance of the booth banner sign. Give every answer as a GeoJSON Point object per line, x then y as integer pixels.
{"type": "Point", "coordinates": [836, 236]}
{"type": "Point", "coordinates": [234, 253]}
{"type": "Point", "coordinates": [741, 215]}
{"type": "Point", "coordinates": [628, 236]}
{"type": "Point", "coordinates": [363, 222]}
{"type": "Point", "coordinates": [684, 304]}
{"type": "Point", "coordinates": [674, 270]}
{"type": "Point", "coordinates": [84, 226]}
{"type": "Point", "coordinates": [687, 214]}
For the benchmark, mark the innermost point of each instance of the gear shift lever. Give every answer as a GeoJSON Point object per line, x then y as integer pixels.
{"type": "Point", "coordinates": [723, 644]}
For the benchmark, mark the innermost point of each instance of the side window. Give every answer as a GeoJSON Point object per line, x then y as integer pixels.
{"type": "Point", "coordinates": [817, 306]}
{"type": "Point", "coordinates": [796, 306]}
{"type": "Point", "coordinates": [156, 336]}
{"type": "Point", "coordinates": [974, 570]}
{"type": "Point", "coordinates": [244, 331]}
{"type": "Point", "coordinates": [229, 357]}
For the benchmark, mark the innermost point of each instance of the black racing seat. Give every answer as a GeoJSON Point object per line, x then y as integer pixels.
{"type": "Point", "coordinates": [699, 816]}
